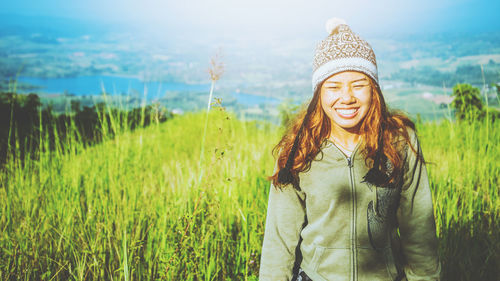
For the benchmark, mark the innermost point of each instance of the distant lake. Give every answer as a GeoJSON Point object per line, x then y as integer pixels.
{"type": "Point", "coordinates": [113, 85]}
{"type": "Point", "coordinates": [118, 85]}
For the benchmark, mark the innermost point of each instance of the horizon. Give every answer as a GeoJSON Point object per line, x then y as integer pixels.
{"type": "Point", "coordinates": [222, 19]}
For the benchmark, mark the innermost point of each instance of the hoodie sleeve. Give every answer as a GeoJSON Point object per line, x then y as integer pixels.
{"type": "Point", "coordinates": [285, 217]}
{"type": "Point", "coordinates": [416, 219]}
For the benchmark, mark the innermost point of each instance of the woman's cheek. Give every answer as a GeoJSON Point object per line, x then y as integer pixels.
{"type": "Point", "coordinates": [332, 97]}
{"type": "Point", "coordinates": [364, 96]}
{"type": "Point", "coordinates": [326, 99]}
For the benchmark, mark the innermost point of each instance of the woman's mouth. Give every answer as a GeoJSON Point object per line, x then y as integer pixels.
{"type": "Point", "coordinates": [347, 113]}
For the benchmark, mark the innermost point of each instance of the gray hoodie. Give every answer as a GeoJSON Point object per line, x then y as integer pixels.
{"type": "Point", "coordinates": [350, 229]}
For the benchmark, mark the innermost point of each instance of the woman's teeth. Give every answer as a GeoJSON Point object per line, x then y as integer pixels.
{"type": "Point", "coordinates": [347, 111]}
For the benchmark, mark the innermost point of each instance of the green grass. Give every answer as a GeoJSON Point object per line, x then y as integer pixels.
{"type": "Point", "coordinates": [133, 207]}
{"type": "Point", "coordinates": [464, 176]}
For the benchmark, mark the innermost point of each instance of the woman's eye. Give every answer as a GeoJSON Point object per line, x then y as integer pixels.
{"type": "Point", "coordinates": [358, 86]}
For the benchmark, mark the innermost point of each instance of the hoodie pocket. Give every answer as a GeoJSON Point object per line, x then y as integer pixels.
{"type": "Point", "coordinates": [333, 263]}
{"type": "Point", "coordinates": [318, 252]}
{"type": "Point", "coordinates": [374, 265]}
{"type": "Point", "coordinates": [311, 256]}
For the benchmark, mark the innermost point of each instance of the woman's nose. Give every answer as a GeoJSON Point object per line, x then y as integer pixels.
{"type": "Point", "coordinates": [346, 94]}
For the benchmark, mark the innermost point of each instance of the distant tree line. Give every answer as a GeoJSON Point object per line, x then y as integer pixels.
{"type": "Point", "coordinates": [430, 76]}
{"type": "Point", "coordinates": [25, 123]}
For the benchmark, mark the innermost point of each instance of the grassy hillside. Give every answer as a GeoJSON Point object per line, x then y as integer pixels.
{"type": "Point", "coordinates": [141, 206]}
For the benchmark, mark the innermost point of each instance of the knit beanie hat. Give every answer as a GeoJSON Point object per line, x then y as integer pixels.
{"type": "Point", "coordinates": [342, 50]}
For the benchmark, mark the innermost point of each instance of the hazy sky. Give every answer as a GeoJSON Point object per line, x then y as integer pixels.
{"type": "Point", "coordinates": [285, 17]}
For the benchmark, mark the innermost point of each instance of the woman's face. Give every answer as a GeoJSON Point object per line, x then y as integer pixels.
{"type": "Point", "coordinates": [346, 98]}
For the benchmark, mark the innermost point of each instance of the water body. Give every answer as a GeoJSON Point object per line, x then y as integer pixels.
{"type": "Point", "coordinates": [113, 85]}
{"type": "Point", "coordinates": [118, 85]}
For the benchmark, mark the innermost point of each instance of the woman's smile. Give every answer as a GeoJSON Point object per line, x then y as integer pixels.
{"type": "Point", "coordinates": [347, 113]}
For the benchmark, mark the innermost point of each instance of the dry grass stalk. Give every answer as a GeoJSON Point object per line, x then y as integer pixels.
{"type": "Point", "coordinates": [216, 68]}
{"type": "Point", "coordinates": [215, 71]}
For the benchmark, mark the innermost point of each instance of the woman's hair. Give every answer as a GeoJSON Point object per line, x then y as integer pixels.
{"type": "Point", "coordinates": [379, 129]}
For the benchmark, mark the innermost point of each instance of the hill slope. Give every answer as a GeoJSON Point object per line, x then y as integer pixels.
{"type": "Point", "coordinates": [135, 207]}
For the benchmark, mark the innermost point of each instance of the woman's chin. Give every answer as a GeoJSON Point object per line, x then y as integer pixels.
{"type": "Point", "coordinates": [347, 124]}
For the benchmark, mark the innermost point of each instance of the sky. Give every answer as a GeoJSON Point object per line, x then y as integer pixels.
{"type": "Point", "coordinates": [273, 17]}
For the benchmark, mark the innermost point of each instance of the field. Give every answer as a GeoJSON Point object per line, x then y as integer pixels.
{"type": "Point", "coordinates": [145, 206]}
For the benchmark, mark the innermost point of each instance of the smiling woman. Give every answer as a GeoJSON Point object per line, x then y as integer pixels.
{"type": "Point", "coordinates": [350, 197]}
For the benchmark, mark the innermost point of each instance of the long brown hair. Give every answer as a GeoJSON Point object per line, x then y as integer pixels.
{"type": "Point", "coordinates": [379, 129]}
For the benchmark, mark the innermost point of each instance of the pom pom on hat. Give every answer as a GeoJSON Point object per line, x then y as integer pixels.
{"type": "Point", "coordinates": [333, 23]}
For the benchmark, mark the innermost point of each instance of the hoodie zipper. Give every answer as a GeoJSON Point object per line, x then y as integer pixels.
{"type": "Point", "coordinates": [354, 265]}
{"type": "Point", "coordinates": [354, 258]}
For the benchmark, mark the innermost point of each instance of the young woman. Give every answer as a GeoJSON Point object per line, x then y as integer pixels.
{"type": "Point", "coordinates": [350, 197]}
